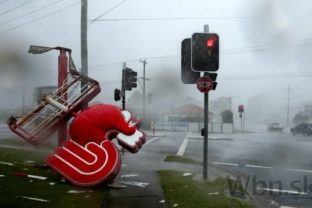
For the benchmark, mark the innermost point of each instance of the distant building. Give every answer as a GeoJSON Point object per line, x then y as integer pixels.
{"type": "Point", "coordinates": [189, 112]}
{"type": "Point", "coordinates": [220, 105]}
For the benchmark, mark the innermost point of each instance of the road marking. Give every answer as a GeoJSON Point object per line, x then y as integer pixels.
{"type": "Point", "coordinates": [299, 170]}
{"type": "Point", "coordinates": [259, 166]}
{"type": "Point", "coordinates": [283, 191]}
{"type": "Point", "coordinates": [229, 164]}
{"type": "Point", "coordinates": [287, 207]}
{"type": "Point", "coordinates": [182, 147]}
{"type": "Point", "coordinates": [151, 140]}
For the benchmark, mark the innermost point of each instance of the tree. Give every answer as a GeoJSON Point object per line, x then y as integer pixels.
{"type": "Point", "coordinates": [227, 116]}
{"type": "Point", "coordinates": [300, 117]}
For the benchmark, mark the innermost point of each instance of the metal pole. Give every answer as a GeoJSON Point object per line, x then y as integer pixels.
{"type": "Point", "coordinates": [123, 90]}
{"type": "Point", "coordinates": [144, 89]}
{"type": "Point", "coordinates": [206, 111]}
{"type": "Point", "coordinates": [62, 73]}
{"type": "Point", "coordinates": [288, 100]}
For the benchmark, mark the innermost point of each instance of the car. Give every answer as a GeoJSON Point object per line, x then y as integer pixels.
{"type": "Point", "coordinates": [303, 129]}
{"type": "Point", "coordinates": [275, 127]}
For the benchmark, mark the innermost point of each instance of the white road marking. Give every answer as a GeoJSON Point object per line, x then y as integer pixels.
{"type": "Point", "coordinates": [182, 148]}
{"type": "Point", "coordinates": [34, 199]}
{"type": "Point", "coordinates": [299, 170]}
{"type": "Point", "coordinates": [259, 166]}
{"type": "Point", "coordinates": [283, 191]}
{"type": "Point", "coordinates": [222, 163]}
{"type": "Point", "coordinates": [287, 207]}
{"type": "Point", "coordinates": [151, 140]}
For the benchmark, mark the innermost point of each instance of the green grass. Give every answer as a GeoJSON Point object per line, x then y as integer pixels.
{"type": "Point", "coordinates": [189, 193]}
{"type": "Point", "coordinates": [12, 187]}
{"type": "Point", "coordinates": [180, 159]}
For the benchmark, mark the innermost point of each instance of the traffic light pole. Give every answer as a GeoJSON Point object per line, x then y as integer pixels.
{"type": "Point", "coordinates": [123, 90]}
{"type": "Point", "coordinates": [206, 111]}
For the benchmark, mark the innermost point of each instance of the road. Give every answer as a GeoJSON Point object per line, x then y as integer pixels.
{"type": "Point", "coordinates": [277, 165]}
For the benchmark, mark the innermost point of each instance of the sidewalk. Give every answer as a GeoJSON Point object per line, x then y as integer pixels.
{"type": "Point", "coordinates": [157, 133]}
{"type": "Point", "coordinates": [211, 136]}
{"type": "Point", "coordinates": [142, 188]}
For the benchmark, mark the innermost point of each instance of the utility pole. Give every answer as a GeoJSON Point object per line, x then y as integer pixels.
{"type": "Point", "coordinates": [206, 127]}
{"type": "Point", "coordinates": [288, 100]}
{"type": "Point", "coordinates": [84, 41]}
{"type": "Point", "coordinates": [144, 92]}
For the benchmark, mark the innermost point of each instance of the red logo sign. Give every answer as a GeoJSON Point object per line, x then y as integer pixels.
{"type": "Point", "coordinates": [89, 157]}
{"type": "Point", "coordinates": [204, 84]}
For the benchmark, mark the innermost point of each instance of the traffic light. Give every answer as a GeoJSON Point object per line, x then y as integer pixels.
{"type": "Point", "coordinates": [205, 52]}
{"type": "Point", "coordinates": [129, 79]}
{"type": "Point", "coordinates": [188, 76]}
{"type": "Point", "coordinates": [117, 95]}
{"type": "Point", "coordinates": [240, 108]}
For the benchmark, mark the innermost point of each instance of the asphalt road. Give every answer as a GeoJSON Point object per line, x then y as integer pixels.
{"type": "Point", "coordinates": [277, 165]}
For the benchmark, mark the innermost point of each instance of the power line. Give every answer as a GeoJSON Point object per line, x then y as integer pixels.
{"type": "Point", "coordinates": [17, 7]}
{"type": "Point", "coordinates": [37, 19]}
{"type": "Point", "coordinates": [174, 18]}
{"type": "Point", "coordinates": [31, 12]}
{"type": "Point", "coordinates": [106, 12]}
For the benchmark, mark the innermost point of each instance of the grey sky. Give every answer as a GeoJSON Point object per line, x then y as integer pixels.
{"type": "Point", "coordinates": [281, 27]}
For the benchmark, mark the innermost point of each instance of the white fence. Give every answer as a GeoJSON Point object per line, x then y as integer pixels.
{"type": "Point", "coordinates": [194, 127]}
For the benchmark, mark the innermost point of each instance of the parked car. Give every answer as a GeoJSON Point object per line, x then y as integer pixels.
{"type": "Point", "coordinates": [275, 127]}
{"type": "Point", "coordinates": [303, 129]}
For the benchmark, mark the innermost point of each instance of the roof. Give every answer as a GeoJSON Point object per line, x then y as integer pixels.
{"type": "Point", "coordinates": [189, 108]}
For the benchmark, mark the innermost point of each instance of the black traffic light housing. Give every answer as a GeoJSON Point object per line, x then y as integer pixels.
{"type": "Point", "coordinates": [205, 52]}
{"type": "Point", "coordinates": [188, 76]}
{"type": "Point", "coordinates": [129, 79]}
{"type": "Point", "coordinates": [117, 95]}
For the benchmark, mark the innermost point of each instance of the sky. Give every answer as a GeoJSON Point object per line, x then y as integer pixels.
{"type": "Point", "coordinates": [265, 45]}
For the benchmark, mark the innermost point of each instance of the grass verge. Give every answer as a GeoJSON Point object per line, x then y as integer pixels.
{"type": "Point", "coordinates": [12, 188]}
{"type": "Point", "coordinates": [180, 159]}
{"type": "Point", "coordinates": [184, 192]}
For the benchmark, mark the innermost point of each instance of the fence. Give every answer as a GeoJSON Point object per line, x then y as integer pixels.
{"type": "Point", "coordinates": [194, 127]}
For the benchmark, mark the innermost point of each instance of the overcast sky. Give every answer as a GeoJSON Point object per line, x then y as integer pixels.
{"type": "Point", "coordinates": [265, 44]}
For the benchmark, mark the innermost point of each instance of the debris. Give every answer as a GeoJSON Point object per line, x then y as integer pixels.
{"type": "Point", "coordinates": [175, 205]}
{"type": "Point", "coordinates": [6, 163]}
{"type": "Point", "coordinates": [187, 174]}
{"type": "Point", "coordinates": [135, 183]}
{"type": "Point", "coordinates": [22, 174]}
{"type": "Point", "coordinates": [129, 175]}
{"type": "Point", "coordinates": [87, 196]}
{"type": "Point", "coordinates": [30, 181]}
{"type": "Point", "coordinates": [75, 191]}
{"type": "Point", "coordinates": [215, 193]}
{"type": "Point", "coordinates": [63, 180]}
{"type": "Point", "coordinates": [29, 162]}
{"type": "Point", "coordinates": [52, 183]}
{"type": "Point", "coordinates": [1, 176]}
{"type": "Point", "coordinates": [34, 199]}
{"type": "Point", "coordinates": [162, 201]}
{"type": "Point", "coordinates": [25, 168]}
{"type": "Point", "coordinates": [124, 165]}
{"type": "Point", "coordinates": [116, 186]}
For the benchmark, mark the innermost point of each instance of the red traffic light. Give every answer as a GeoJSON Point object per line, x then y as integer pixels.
{"type": "Point", "coordinates": [210, 42]}
{"type": "Point", "coordinates": [241, 108]}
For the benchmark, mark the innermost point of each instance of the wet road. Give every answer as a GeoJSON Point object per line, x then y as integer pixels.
{"type": "Point", "coordinates": [277, 165]}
